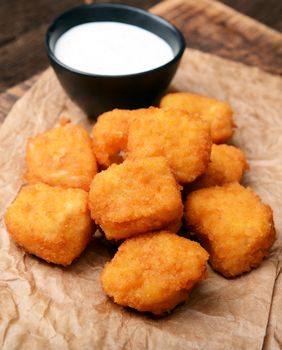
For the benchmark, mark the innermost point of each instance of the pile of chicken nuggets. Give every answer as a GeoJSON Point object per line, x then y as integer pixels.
{"type": "Point", "coordinates": [141, 176]}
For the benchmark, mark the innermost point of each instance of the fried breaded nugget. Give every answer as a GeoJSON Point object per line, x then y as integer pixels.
{"type": "Point", "coordinates": [50, 222]}
{"type": "Point", "coordinates": [233, 225]}
{"type": "Point", "coordinates": [109, 135]}
{"type": "Point", "coordinates": [227, 164]}
{"type": "Point", "coordinates": [218, 114]}
{"type": "Point", "coordinates": [182, 139]}
{"type": "Point", "coordinates": [61, 157]}
{"type": "Point", "coordinates": [135, 197]}
{"type": "Point", "coordinates": [154, 272]}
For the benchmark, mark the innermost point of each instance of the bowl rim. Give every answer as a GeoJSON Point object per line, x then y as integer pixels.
{"type": "Point", "coordinates": [53, 24]}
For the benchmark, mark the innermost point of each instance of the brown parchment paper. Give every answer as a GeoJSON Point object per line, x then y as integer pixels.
{"type": "Point", "coordinates": [43, 306]}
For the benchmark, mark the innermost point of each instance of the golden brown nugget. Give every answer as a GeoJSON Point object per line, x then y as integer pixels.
{"type": "Point", "coordinates": [61, 157]}
{"type": "Point", "coordinates": [50, 222]}
{"type": "Point", "coordinates": [109, 135]}
{"type": "Point", "coordinates": [233, 225]}
{"type": "Point", "coordinates": [135, 197]}
{"type": "Point", "coordinates": [227, 164]}
{"type": "Point", "coordinates": [154, 272]}
{"type": "Point", "coordinates": [184, 140]}
{"type": "Point", "coordinates": [218, 114]}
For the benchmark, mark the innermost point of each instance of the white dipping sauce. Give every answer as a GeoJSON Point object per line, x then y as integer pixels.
{"type": "Point", "coordinates": [111, 48]}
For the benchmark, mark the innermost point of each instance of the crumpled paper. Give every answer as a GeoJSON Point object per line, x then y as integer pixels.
{"type": "Point", "coordinates": [43, 306]}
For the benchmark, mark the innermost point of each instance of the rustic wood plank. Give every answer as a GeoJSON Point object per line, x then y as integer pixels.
{"type": "Point", "coordinates": [213, 27]}
{"type": "Point", "coordinates": [22, 56]}
{"type": "Point", "coordinates": [268, 12]}
{"type": "Point", "coordinates": [18, 17]}
{"type": "Point", "coordinates": [10, 96]}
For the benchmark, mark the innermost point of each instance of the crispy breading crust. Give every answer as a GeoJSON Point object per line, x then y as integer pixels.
{"type": "Point", "coordinates": [234, 226]}
{"type": "Point", "coordinates": [218, 114]}
{"type": "Point", "coordinates": [134, 197]}
{"type": "Point", "coordinates": [50, 222]}
{"type": "Point", "coordinates": [227, 164]}
{"type": "Point", "coordinates": [61, 157]}
{"type": "Point", "coordinates": [109, 135]}
{"type": "Point", "coordinates": [154, 272]}
{"type": "Point", "coordinates": [184, 140]}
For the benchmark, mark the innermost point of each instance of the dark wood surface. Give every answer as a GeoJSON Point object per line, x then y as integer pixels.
{"type": "Point", "coordinates": [207, 25]}
{"type": "Point", "coordinates": [268, 12]}
{"type": "Point", "coordinates": [213, 27]}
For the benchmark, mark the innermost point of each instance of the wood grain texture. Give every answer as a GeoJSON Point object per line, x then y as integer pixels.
{"type": "Point", "coordinates": [215, 28]}
{"type": "Point", "coordinates": [11, 95]}
{"type": "Point", "coordinates": [260, 10]}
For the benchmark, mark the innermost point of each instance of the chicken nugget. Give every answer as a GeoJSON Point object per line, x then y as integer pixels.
{"type": "Point", "coordinates": [233, 225]}
{"type": "Point", "coordinates": [218, 114]}
{"type": "Point", "coordinates": [227, 164]}
{"type": "Point", "coordinates": [52, 223]}
{"type": "Point", "coordinates": [184, 140]}
{"type": "Point", "coordinates": [135, 197]}
{"type": "Point", "coordinates": [61, 157]}
{"type": "Point", "coordinates": [154, 272]}
{"type": "Point", "coordinates": [109, 135]}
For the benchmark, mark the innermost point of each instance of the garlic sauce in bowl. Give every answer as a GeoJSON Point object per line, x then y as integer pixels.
{"type": "Point", "coordinates": [110, 56]}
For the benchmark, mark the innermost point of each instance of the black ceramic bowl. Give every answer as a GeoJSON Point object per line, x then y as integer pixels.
{"type": "Point", "coordinates": [96, 93]}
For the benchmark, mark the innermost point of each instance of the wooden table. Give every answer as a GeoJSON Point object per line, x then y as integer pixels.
{"type": "Point", "coordinates": [207, 25]}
